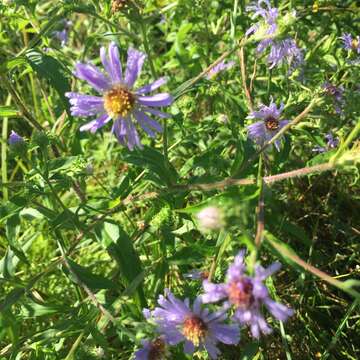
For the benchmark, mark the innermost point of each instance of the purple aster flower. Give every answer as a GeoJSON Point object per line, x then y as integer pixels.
{"type": "Point", "coordinates": [247, 295]}
{"type": "Point", "coordinates": [15, 139]}
{"type": "Point", "coordinates": [118, 100]}
{"type": "Point", "coordinates": [350, 43]}
{"type": "Point", "coordinates": [263, 130]}
{"type": "Point", "coordinates": [152, 350]}
{"type": "Point", "coordinates": [219, 67]}
{"type": "Point", "coordinates": [196, 327]}
{"type": "Point", "coordinates": [332, 143]}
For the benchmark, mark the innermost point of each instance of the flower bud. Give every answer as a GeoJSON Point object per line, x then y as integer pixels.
{"type": "Point", "coordinates": [210, 218]}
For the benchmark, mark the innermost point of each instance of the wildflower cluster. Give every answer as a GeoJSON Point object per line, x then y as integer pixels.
{"type": "Point", "coordinates": [197, 328]}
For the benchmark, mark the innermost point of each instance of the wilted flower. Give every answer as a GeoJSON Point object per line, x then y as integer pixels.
{"type": "Point", "coordinates": [197, 275]}
{"type": "Point", "coordinates": [196, 327]}
{"type": "Point", "coordinates": [262, 131]}
{"type": "Point", "coordinates": [247, 295]}
{"type": "Point", "coordinates": [15, 138]}
{"type": "Point", "coordinates": [350, 43]}
{"type": "Point", "coordinates": [152, 350]}
{"type": "Point", "coordinates": [219, 67]}
{"type": "Point", "coordinates": [332, 143]}
{"type": "Point", "coordinates": [118, 100]}
{"type": "Point", "coordinates": [210, 218]}
{"type": "Point", "coordinates": [117, 5]}
{"type": "Point", "coordinates": [62, 35]}
{"type": "Point", "coordinates": [337, 93]}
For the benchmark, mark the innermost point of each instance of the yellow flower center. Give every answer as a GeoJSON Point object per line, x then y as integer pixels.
{"type": "Point", "coordinates": [355, 43]}
{"type": "Point", "coordinates": [240, 293]}
{"type": "Point", "coordinates": [118, 101]}
{"type": "Point", "coordinates": [194, 329]}
{"type": "Point", "coordinates": [271, 123]}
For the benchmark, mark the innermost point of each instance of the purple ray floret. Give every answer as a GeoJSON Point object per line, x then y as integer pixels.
{"type": "Point", "coordinates": [195, 326]}
{"type": "Point", "coordinates": [247, 295]}
{"type": "Point", "coordinates": [331, 143]}
{"type": "Point", "coordinates": [263, 130]}
{"type": "Point", "coordinates": [118, 100]}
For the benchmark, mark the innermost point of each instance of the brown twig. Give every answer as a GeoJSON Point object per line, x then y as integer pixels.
{"type": "Point", "coordinates": [241, 56]}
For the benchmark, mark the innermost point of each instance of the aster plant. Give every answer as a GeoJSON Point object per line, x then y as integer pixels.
{"type": "Point", "coordinates": [119, 101]}
{"type": "Point", "coordinates": [269, 124]}
{"type": "Point", "coordinates": [247, 294]}
{"type": "Point", "coordinates": [152, 350]}
{"type": "Point", "coordinates": [195, 326]}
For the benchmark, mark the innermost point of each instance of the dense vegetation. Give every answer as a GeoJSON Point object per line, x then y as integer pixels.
{"type": "Point", "coordinates": [157, 150]}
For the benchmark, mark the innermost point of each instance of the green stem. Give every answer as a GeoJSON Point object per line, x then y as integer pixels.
{"type": "Point", "coordinates": [4, 144]}
{"type": "Point", "coordinates": [147, 49]}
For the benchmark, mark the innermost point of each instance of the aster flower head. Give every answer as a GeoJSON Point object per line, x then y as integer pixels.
{"type": "Point", "coordinates": [270, 124]}
{"type": "Point", "coordinates": [337, 93]}
{"type": "Point", "coordinates": [119, 101]}
{"type": "Point", "coordinates": [218, 68]}
{"type": "Point", "coordinates": [195, 326]}
{"type": "Point", "coordinates": [285, 50]}
{"type": "Point", "coordinates": [152, 350]}
{"type": "Point", "coordinates": [350, 43]}
{"type": "Point", "coordinates": [267, 26]}
{"type": "Point", "coordinates": [247, 294]}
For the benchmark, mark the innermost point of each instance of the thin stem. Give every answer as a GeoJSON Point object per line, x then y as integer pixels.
{"type": "Point", "coordinates": [241, 56]}
{"type": "Point", "coordinates": [147, 49]}
{"type": "Point", "coordinates": [4, 144]}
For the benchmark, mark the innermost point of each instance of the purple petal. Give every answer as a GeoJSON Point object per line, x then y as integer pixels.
{"type": "Point", "coordinates": [262, 273]}
{"type": "Point", "coordinates": [161, 99]}
{"type": "Point", "coordinates": [189, 347]}
{"type": "Point", "coordinates": [156, 112]}
{"type": "Point", "coordinates": [211, 348]}
{"type": "Point", "coordinates": [151, 87]}
{"type": "Point", "coordinates": [279, 311]}
{"type": "Point", "coordinates": [94, 125]}
{"type": "Point", "coordinates": [134, 64]}
{"type": "Point", "coordinates": [115, 63]}
{"type": "Point", "coordinates": [147, 123]}
{"type": "Point", "coordinates": [85, 105]}
{"type": "Point", "coordinates": [93, 76]}
{"type": "Point", "coordinates": [227, 334]}
{"type": "Point", "coordinates": [213, 292]}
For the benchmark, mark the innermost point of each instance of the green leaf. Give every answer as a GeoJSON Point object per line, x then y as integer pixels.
{"type": "Point", "coordinates": [121, 248]}
{"type": "Point", "coordinates": [51, 70]}
{"type": "Point", "coordinates": [90, 279]}
{"type": "Point", "coordinates": [9, 111]}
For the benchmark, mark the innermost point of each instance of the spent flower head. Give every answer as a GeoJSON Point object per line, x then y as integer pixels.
{"type": "Point", "coordinates": [152, 349]}
{"type": "Point", "coordinates": [119, 101]}
{"type": "Point", "coordinates": [195, 326]}
{"type": "Point", "coordinates": [210, 218]}
{"type": "Point", "coordinates": [269, 124]}
{"type": "Point", "coordinates": [247, 294]}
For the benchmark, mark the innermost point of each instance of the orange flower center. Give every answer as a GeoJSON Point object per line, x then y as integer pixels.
{"type": "Point", "coordinates": [157, 349]}
{"type": "Point", "coordinates": [271, 123]}
{"type": "Point", "coordinates": [194, 329]}
{"type": "Point", "coordinates": [240, 293]}
{"type": "Point", "coordinates": [118, 101]}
